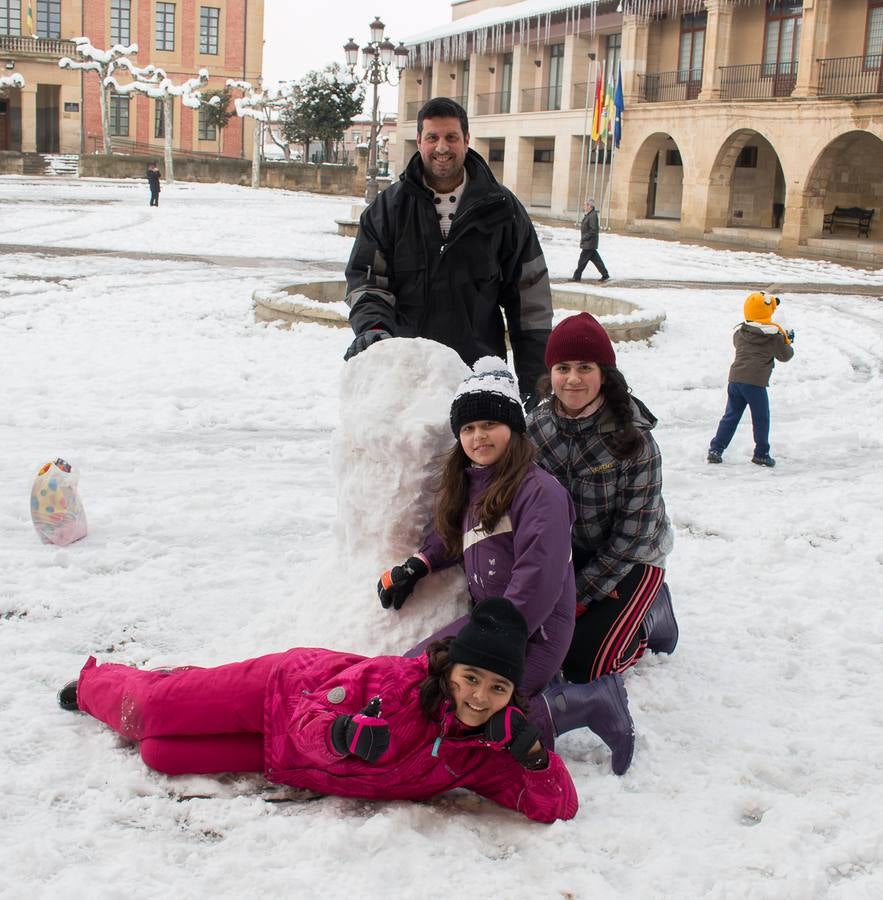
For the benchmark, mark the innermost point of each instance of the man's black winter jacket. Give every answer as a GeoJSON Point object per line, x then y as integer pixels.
{"type": "Point", "coordinates": [405, 278]}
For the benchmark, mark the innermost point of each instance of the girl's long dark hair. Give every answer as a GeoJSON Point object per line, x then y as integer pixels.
{"type": "Point", "coordinates": [627, 440]}
{"type": "Point", "coordinates": [452, 490]}
{"type": "Point", "coordinates": [434, 689]}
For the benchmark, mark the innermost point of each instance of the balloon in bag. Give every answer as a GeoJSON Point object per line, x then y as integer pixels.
{"type": "Point", "coordinates": [56, 510]}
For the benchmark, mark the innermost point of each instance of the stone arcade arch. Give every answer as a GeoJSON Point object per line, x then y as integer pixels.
{"type": "Point", "coordinates": [656, 181]}
{"type": "Point", "coordinates": [746, 185]}
{"type": "Point", "coordinates": [848, 172]}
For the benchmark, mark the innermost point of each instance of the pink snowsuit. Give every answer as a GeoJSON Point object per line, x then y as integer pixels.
{"type": "Point", "coordinates": [273, 714]}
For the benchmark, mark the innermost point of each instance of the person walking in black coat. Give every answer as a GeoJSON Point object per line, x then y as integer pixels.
{"type": "Point", "coordinates": [590, 228]}
{"type": "Point", "coordinates": [153, 182]}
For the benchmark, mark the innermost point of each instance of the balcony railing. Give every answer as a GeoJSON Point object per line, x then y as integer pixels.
{"type": "Point", "coordinates": [493, 104]}
{"type": "Point", "coordinates": [663, 87]}
{"type": "Point", "coordinates": [578, 99]}
{"type": "Point", "coordinates": [541, 99]}
{"type": "Point", "coordinates": [37, 47]}
{"type": "Point", "coordinates": [851, 75]}
{"type": "Point", "coordinates": [758, 82]}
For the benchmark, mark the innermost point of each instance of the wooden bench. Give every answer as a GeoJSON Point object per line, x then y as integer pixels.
{"type": "Point", "coordinates": [854, 216]}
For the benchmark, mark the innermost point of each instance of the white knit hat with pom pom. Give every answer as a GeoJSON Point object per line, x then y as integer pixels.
{"type": "Point", "coordinates": [489, 394]}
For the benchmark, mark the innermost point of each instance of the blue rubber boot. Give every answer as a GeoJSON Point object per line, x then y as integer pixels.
{"type": "Point", "coordinates": [602, 706]}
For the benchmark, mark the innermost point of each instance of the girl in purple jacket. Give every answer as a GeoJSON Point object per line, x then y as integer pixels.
{"type": "Point", "coordinates": [507, 522]}
{"type": "Point", "coordinates": [386, 728]}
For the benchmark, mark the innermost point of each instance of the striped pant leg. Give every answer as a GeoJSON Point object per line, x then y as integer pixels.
{"type": "Point", "coordinates": [608, 637]}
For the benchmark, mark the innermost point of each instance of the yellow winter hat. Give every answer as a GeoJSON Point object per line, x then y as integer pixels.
{"type": "Point", "coordinates": [759, 307]}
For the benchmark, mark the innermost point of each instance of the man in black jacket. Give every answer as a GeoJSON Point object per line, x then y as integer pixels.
{"type": "Point", "coordinates": [445, 251]}
{"type": "Point", "coordinates": [589, 229]}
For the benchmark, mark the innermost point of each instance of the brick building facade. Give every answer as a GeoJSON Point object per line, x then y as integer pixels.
{"type": "Point", "coordinates": [58, 110]}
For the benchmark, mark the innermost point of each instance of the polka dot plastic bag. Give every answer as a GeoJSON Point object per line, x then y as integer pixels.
{"type": "Point", "coordinates": [56, 510]}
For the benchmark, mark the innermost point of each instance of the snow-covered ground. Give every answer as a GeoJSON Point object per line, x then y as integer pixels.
{"type": "Point", "coordinates": [211, 472]}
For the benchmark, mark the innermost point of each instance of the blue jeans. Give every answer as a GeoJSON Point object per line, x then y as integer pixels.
{"type": "Point", "coordinates": [738, 397]}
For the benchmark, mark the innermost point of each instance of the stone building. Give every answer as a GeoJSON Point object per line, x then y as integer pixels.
{"type": "Point", "coordinates": [58, 109]}
{"type": "Point", "coordinates": [359, 134]}
{"type": "Point", "coordinates": [744, 121]}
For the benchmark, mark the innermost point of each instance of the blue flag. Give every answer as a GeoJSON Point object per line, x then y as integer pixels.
{"type": "Point", "coordinates": [619, 106]}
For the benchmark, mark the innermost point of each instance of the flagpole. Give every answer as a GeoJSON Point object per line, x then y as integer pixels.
{"type": "Point", "coordinates": [604, 182]}
{"type": "Point", "coordinates": [597, 145]}
{"type": "Point", "coordinates": [597, 140]}
{"type": "Point", "coordinates": [582, 153]}
{"type": "Point", "coordinates": [618, 106]}
{"type": "Point", "coordinates": [606, 131]}
{"type": "Point", "coordinates": [610, 186]}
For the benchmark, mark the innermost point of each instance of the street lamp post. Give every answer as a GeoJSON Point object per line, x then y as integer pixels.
{"type": "Point", "coordinates": [378, 56]}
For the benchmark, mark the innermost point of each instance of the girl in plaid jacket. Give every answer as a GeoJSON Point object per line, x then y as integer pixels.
{"type": "Point", "coordinates": [594, 437]}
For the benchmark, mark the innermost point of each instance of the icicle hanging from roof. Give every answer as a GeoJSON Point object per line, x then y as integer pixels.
{"type": "Point", "coordinates": [649, 8]}
{"type": "Point", "coordinates": [493, 36]}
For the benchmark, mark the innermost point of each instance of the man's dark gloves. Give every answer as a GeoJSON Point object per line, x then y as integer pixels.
{"type": "Point", "coordinates": [365, 734]}
{"type": "Point", "coordinates": [364, 341]}
{"type": "Point", "coordinates": [510, 730]}
{"type": "Point", "coordinates": [397, 583]}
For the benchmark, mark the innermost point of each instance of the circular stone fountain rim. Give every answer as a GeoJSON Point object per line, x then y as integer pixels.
{"type": "Point", "coordinates": [309, 297]}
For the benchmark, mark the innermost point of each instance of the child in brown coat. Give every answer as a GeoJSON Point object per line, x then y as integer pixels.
{"type": "Point", "coordinates": [759, 343]}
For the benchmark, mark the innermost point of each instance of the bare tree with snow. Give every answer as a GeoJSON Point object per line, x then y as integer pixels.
{"type": "Point", "coordinates": [153, 82]}
{"type": "Point", "coordinates": [102, 62]}
{"type": "Point", "coordinates": [259, 104]}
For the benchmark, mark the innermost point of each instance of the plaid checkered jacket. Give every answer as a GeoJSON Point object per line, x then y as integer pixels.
{"type": "Point", "coordinates": [620, 513]}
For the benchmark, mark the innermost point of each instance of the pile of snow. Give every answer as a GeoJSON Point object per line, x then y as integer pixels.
{"type": "Point", "coordinates": [217, 459]}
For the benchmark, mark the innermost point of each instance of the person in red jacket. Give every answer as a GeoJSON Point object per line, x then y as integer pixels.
{"type": "Point", "coordinates": [383, 728]}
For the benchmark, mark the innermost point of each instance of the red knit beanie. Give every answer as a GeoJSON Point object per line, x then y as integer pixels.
{"type": "Point", "coordinates": [580, 338]}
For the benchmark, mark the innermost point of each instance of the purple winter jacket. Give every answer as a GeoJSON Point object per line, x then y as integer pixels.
{"type": "Point", "coordinates": [527, 560]}
{"type": "Point", "coordinates": [310, 687]}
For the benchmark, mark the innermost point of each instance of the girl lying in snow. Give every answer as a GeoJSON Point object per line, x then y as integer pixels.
{"type": "Point", "coordinates": [386, 728]}
{"type": "Point", "coordinates": [507, 522]}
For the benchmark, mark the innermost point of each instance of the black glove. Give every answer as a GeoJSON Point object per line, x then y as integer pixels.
{"type": "Point", "coordinates": [396, 584]}
{"type": "Point", "coordinates": [365, 734]}
{"type": "Point", "coordinates": [510, 730]}
{"type": "Point", "coordinates": [364, 341]}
